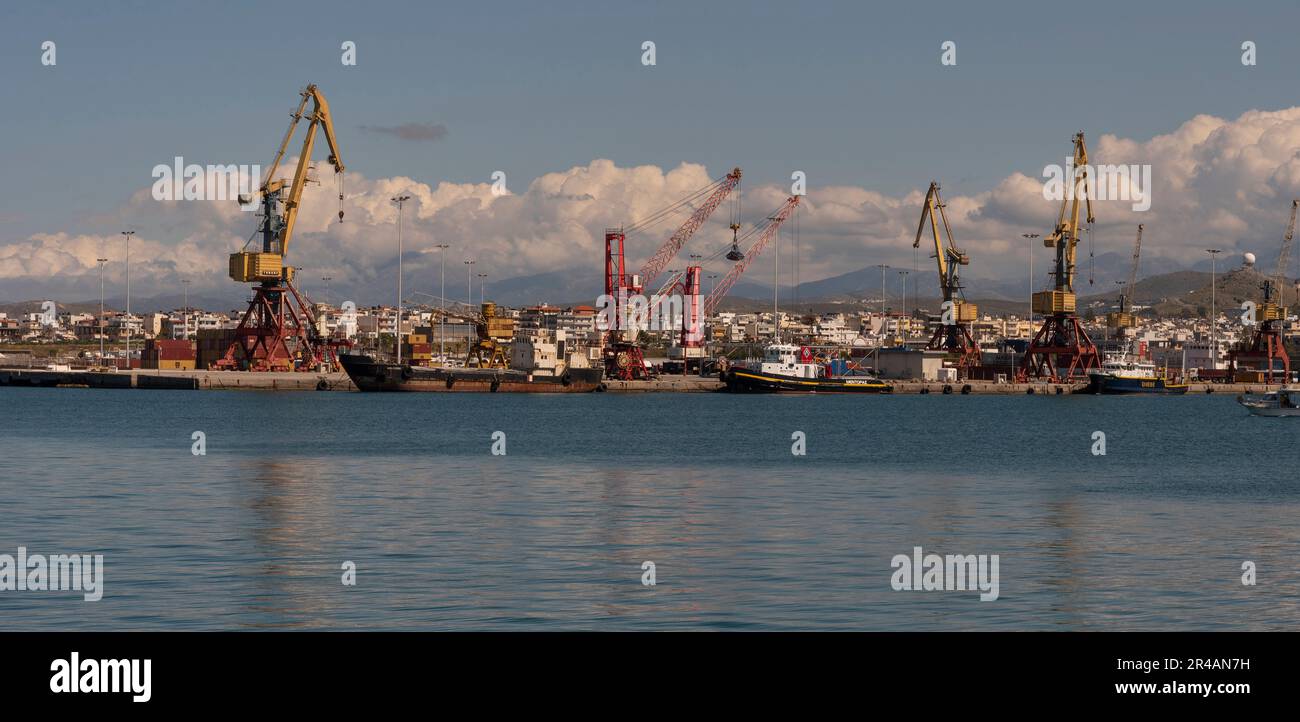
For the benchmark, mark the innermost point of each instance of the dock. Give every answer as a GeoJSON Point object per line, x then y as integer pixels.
{"type": "Point", "coordinates": [339, 381]}
{"type": "Point", "coordinates": [179, 380]}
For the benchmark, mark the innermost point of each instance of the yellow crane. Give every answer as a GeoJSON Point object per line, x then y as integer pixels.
{"type": "Point", "coordinates": [277, 225]}
{"type": "Point", "coordinates": [278, 332]}
{"type": "Point", "coordinates": [953, 333]}
{"type": "Point", "coordinates": [1062, 350]}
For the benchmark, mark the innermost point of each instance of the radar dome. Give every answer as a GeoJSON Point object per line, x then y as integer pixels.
{"type": "Point", "coordinates": [1248, 259]}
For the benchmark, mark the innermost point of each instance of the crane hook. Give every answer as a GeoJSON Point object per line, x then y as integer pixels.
{"type": "Point", "coordinates": [734, 254]}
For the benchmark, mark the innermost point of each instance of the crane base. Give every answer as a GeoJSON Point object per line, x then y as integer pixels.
{"type": "Point", "coordinates": [1264, 349]}
{"type": "Point", "coordinates": [1060, 352]}
{"type": "Point", "coordinates": [957, 341]}
{"type": "Point", "coordinates": [276, 334]}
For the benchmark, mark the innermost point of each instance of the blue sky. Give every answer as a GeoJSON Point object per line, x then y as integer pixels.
{"type": "Point", "coordinates": [850, 92]}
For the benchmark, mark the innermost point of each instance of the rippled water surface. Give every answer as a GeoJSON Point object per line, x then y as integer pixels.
{"type": "Point", "coordinates": [743, 534]}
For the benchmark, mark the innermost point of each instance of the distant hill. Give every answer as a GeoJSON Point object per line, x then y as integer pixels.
{"type": "Point", "coordinates": [1231, 289]}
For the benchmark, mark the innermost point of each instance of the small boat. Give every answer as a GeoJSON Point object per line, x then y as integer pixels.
{"type": "Point", "coordinates": [1120, 374]}
{"type": "Point", "coordinates": [790, 369]}
{"type": "Point", "coordinates": [1283, 402]}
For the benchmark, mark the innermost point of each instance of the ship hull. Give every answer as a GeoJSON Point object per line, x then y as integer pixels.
{"type": "Point", "coordinates": [1107, 384]}
{"type": "Point", "coordinates": [370, 375]}
{"type": "Point", "coordinates": [745, 381]}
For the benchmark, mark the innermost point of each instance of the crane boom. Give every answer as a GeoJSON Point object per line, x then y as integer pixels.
{"type": "Point", "coordinates": [1127, 300]}
{"type": "Point", "coordinates": [1065, 237]}
{"type": "Point", "coordinates": [320, 118]}
{"type": "Point", "coordinates": [765, 233]}
{"type": "Point", "coordinates": [660, 260]}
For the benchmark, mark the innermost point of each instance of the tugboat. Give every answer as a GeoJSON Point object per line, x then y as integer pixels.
{"type": "Point", "coordinates": [1283, 402]}
{"type": "Point", "coordinates": [790, 369]}
{"type": "Point", "coordinates": [1120, 374]}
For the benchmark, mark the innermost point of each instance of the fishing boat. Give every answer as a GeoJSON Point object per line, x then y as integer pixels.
{"type": "Point", "coordinates": [1283, 402]}
{"type": "Point", "coordinates": [1122, 374]}
{"type": "Point", "coordinates": [790, 369]}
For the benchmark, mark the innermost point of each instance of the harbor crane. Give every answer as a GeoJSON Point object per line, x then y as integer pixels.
{"type": "Point", "coordinates": [953, 333]}
{"type": "Point", "coordinates": [1265, 346]}
{"type": "Point", "coordinates": [278, 332]}
{"type": "Point", "coordinates": [1124, 317]}
{"type": "Point", "coordinates": [623, 356]}
{"type": "Point", "coordinates": [1061, 350]}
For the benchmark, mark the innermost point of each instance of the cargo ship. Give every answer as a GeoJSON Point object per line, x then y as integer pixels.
{"type": "Point", "coordinates": [790, 369]}
{"type": "Point", "coordinates": [1121, 375]}
{"type": "Point", "coordinates": [538, 364]}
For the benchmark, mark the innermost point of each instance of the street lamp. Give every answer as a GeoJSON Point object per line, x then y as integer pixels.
{"type": "Point", "coordinates": [1214, 327]}
{"type": "Point", "coordinates": [469, 281]}
{"type": "Point", "coordinates": [902, 276]}
{"type": "Point", "coordinates": [128, 235]}
{"type": "Point", "coordinates": [397, 332]}
{"type": "Point", "coordinates": [1030, 237]}
{"type": "Point", "coordinates": [482, 286]}
{"type": "Point", "coordinates": [101, 261]}
{"type": "Point", "coordinates": [442, 300]}
{"type": "Point", "coordinates": [883, 293]}
{"type": "Point", "coordinates": [327, 280]}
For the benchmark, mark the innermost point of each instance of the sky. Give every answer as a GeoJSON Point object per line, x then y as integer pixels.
{"type": "Point", "coordinates": [555, 96]}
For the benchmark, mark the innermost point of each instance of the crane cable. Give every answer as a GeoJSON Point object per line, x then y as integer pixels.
{"type": "Point", "coordinates": [660, 215]}
{"type": "Point", "coordinates": [1092, 244]}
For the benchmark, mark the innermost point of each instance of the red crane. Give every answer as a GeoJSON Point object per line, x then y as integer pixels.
{"type": "Point", "coordinates": [623, 355]}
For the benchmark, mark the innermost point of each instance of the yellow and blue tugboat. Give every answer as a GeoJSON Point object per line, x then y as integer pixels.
{"type": "Point", "coordinates": [789, 369]}
{"type": "Point", "coordinates": [1120, 374]}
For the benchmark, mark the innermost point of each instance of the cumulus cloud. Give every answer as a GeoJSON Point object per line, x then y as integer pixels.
{"type": "Point", "coordinates": [1215, 182]}
{"type": "Point", "coordinates": [427, 132]}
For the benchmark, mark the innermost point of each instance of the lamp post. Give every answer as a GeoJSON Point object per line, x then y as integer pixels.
{"type": "Point", "coordinates": [902, 277]}
{"type": "Point", "coordinates": [1030, 237]}
{"type": "Point", "coordinates": [482, 287]}
{"type": "Point", "coordinates": [397, 331]}
{"type": "Point", "coordinates": [127, 235]}
{"type": "Point", "coordinates": [1214, 327]}
{"type": "Point", "coordinates": [883, 293]}
{"type": "Point", "coordinates": [101, 261]}
{"type": "Point", "coordinates": [327, 280]}
{"type": "Point", "coordinates": [442, 300]}
{"type": "Point", "coordinates": [469, 282]}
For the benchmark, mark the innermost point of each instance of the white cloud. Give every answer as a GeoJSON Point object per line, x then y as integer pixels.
{"type": "Point", "coordinates": [1225, 182]}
